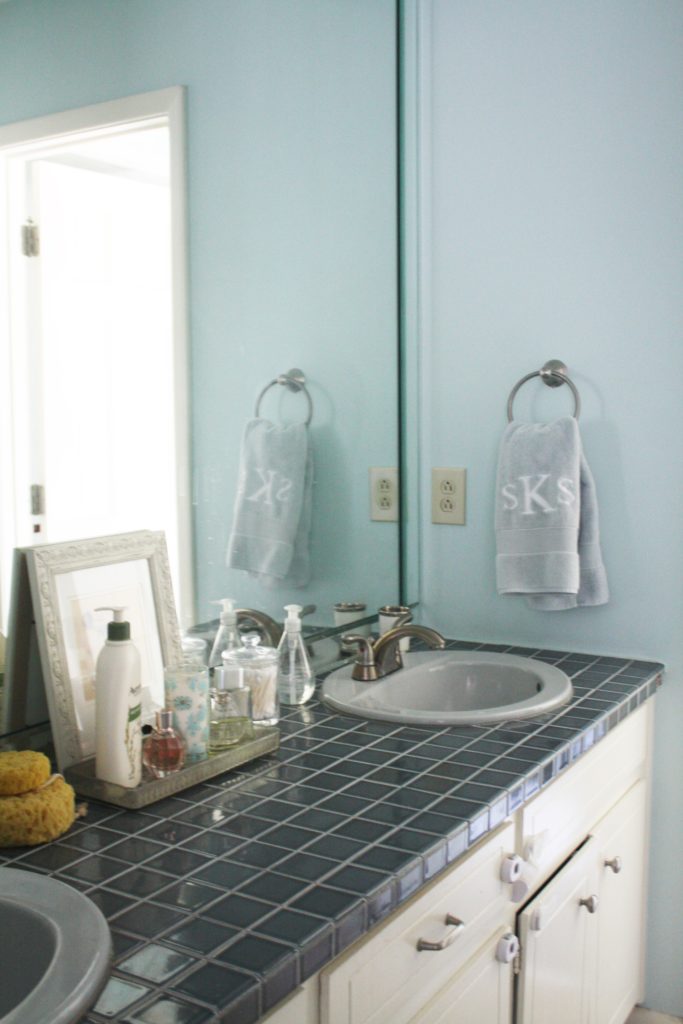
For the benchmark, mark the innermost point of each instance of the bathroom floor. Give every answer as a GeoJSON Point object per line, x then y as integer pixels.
{"type": "Point", "coordinates": [642, 1016]}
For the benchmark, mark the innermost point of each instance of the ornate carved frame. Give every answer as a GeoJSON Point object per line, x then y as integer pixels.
{"type": "Point", "coordinates": [45, 563]}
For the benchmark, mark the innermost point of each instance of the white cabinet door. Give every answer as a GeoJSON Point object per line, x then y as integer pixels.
{"type": "Point", "coordinates": [558, 939]}
{"type": "Point", "coordinates": [392, 974]}
{"type": "Point", "coordinates": [481, 992]}
{"type": "Point", "coordinates": [620, 839]}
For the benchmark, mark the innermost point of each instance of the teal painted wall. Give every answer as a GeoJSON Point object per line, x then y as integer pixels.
{"type": "Point", "coordinates": [557, 232]}
{"type": "Point", "coordinates": [292, 209]}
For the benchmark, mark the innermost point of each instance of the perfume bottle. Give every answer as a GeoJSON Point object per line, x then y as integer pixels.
{"type": "Point", "coordinates": [163, 750]}
{"type": "Point", "coordinates": [230, 721]}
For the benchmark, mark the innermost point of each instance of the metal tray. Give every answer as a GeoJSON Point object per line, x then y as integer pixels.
{"type": "Point", "coordinates": [82, 775]}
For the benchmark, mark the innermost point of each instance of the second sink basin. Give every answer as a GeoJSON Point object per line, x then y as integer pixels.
{"type": "Point", "coordinates": [56, 950]}
{"type": "Point", "coordinates": [452, 688]}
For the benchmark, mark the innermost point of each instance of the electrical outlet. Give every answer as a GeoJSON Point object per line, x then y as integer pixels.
{"type": "Point", "coordinates": [448, 496]}
{"type": "Point", "coordinates": [384, 494]}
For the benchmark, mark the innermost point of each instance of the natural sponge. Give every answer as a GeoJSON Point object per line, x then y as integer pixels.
{"type": "Point", "coordinates": [39, 816]}
{"type": "Point", "coordinates": [22, 771]}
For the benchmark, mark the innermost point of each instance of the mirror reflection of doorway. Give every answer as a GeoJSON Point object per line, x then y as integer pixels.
{"type": "Point", "coordinates": [95, 427]}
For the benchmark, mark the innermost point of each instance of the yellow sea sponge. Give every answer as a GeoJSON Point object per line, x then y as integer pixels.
{"type": "Point", "coordinates": [37, 817]}
{"type": "Point", "coordinates": [22, 770]}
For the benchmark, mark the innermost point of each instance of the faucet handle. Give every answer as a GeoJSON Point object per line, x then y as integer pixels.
{"type": "Point", "coordinates": [364, 668]}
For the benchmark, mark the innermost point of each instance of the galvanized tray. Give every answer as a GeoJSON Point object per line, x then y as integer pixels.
{"type": "Point", "coordinates": [82, 775]}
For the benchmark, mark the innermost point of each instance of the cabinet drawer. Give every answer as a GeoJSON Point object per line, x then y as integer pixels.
{"type": "Point", "coordinates": [385, 977]}
{"type": "Point", "coordinates": [557, 820]}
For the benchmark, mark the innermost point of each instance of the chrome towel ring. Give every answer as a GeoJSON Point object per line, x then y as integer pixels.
{"type": "Point", "coordinates": [554, 374]}
{"type": "Point", "coordinates": [295, 380]}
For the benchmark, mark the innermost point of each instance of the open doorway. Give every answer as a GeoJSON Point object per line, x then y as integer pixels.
{"type": "Point", "coordinates": [94, 422]}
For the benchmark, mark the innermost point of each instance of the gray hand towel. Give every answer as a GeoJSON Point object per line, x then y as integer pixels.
{"type": "Point", "coordinates": [547, 529]}
{"type": "Point", "coordinates": [272, 516]}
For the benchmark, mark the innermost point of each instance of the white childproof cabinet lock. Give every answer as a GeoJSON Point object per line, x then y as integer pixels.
{"type": "Point", "coordinates": [507, 948]}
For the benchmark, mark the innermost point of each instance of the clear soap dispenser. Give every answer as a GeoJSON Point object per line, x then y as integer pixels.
{"type": "Point", "coordinates": [227, 638]}
{"type": "Point", "coordinates": [295, 681]}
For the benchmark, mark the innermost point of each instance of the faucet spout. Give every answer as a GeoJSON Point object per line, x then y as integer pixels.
{"type": "Point", "coordinates": [384, 656]}
{"type": "Point", "coordinates": [271, 630]}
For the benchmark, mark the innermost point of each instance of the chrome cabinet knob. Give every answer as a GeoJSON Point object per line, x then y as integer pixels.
{"type": "Point", "coordinates": [615, 864]}
{"type": "Point", "coordinates": [591, 903]}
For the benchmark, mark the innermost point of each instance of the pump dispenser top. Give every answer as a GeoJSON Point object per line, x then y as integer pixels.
{"type": "Point", "coordinates": [118, 628]}
{"type": "Point", "coordinates": [293, 621]}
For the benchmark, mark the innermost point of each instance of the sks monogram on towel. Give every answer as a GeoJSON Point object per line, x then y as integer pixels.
{"type": "Point", "coordinates": [274, 486]}
{"type": "Point", "coordinates": [535, 492]}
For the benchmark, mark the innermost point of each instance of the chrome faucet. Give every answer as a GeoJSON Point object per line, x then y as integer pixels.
{"type": "Point", "coordinates": [381, 658]}
{"type": "Point", "coordinates": [271, 630]}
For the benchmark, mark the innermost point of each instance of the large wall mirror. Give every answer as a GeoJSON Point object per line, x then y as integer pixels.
{"type": "Point", "coordinates": [289, 151]}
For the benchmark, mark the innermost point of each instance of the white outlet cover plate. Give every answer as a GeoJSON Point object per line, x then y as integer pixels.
{"type": "Point", "coordinates": [448, 495]}
{"type": "Point", "coordinates": [384, 494]}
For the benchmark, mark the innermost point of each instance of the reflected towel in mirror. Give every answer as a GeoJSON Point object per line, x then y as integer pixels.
{"type": "Point", "coordinates": [272, 516]}
{"type": "Point", "coordinates": [547, 532]}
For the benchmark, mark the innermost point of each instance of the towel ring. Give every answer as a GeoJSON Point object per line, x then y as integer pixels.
{"type": "Point", "coordinates": [295, 380]}
{"type": "Point", "coordinates": [554, 374]}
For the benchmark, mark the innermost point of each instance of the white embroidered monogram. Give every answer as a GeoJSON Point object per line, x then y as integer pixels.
{"type": "Point", "coordinates": [547, 535]}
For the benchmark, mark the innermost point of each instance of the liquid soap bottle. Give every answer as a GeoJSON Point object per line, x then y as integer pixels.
{"type": "Point", "coordinates": [227, 639]}
{"type": "Point", "coordinates": [118, 735]}
{"type": "Point", "coordinates": [295, 682]}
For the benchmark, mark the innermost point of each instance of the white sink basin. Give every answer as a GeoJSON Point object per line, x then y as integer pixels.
{"type": "Point", "coordinates": [452, 688]}
{"type": "Point", "coordinates": [55, 950]}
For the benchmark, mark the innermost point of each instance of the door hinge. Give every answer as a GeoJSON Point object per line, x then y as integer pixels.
{"type": "Point", "coordinates": [30, 239]}
{"type": "Point", "coordinates": [37, 500]}
{"type": "Point", "coordinates": [517, 962]}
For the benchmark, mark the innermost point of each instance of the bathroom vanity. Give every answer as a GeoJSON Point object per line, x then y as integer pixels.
{"type": "Point", "coordinates": [371, 872]}
{"type": "Point", "coordinates": [577, 851]}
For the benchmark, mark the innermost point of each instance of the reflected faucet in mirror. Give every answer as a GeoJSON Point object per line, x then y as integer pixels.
{"type": "Point", "coordinates": [381, 658]}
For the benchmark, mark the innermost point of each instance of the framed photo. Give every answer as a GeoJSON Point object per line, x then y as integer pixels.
{"type": "Point", "coordinates": [69, 582]}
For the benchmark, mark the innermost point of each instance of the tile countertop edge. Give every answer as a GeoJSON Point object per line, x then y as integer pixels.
{"type": "Point", "coordinates": [391, 824]}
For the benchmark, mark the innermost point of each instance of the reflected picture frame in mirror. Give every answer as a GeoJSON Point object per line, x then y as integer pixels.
{"type": "Point", "coordinates": [68, 582]}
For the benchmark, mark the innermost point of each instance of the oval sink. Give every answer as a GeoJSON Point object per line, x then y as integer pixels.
{"type": "Point", "coordinates": [56, 950]}
{"type": "Point", "coordinates": [452, 688]}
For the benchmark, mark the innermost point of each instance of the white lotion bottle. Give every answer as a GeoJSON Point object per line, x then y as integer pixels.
{"type": "Point", "coordinates": [295, 681]}
{"type": "Point", "coordinates": [118, 720]}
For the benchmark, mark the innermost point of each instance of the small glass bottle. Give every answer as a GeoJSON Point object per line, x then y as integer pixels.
{"type": "Point", "coordinates": [163, 750]}
{"type": "Point", "coordinates": [231, 720]}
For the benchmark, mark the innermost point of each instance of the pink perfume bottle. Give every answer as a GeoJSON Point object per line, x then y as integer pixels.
{"type": "Point", "coordinates": [163, 750]}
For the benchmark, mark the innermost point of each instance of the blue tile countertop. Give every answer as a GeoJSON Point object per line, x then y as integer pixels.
{"type": "Point", "coordinates": [223, 899]}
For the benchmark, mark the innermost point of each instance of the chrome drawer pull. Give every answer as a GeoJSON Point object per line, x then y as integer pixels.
{"type": "Point", "coordinates": [456, 926]}
{"type": "Point", "coordinates": [615, 864]}
{"type": "Point", "coordinates": [590, 903]}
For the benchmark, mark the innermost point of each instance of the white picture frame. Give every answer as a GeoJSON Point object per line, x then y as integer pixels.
{"type": "Point", "coordinates": [68, 582]}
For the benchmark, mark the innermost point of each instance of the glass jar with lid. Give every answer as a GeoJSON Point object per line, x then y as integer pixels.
{"type": "Point", "coordinates": [259, 667]}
